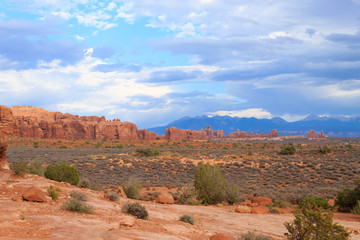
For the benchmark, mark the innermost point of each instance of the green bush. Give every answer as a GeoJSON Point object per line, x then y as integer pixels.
{"type": "Point", "coordinates": [187, 219]}
{"type": "Point", "coordinates": [112, 196]}
{"type": "Point", "coordinates": [252, 235]}
{"type": "Point", "coordinates": [62, 172]}
{"type": "Point", "coordinates": [36, 167]}
{"type": "Point", "coordinates": [131, 189]}
{"type": "Point", "coordinates": [210, 183]}
{"type": "Point", "coordinates": [36, 144]}
{"type": "Point", "coordinates": [147, 152]}
{"type": "Point", "coordinates": [232, 193]}
{"type": "Point", "coordinates": [356, 208]}
{"type": "Point", "coordinates": [187, 194]}
{"type": "Point", "coordinates": [75, 205]}
{"type": "Point", "coordinates": [314, 202]}
{"type": "Point", "coordinates": [135, 209]}
{"type": "Point", "coordinates": [53, 192]}
{"type": "Point", "coordinates": [79, 196]}
{"type": "Point", "coordinates": [63, 147]}
{"type": "Point", "coordinates": [19, 168]}
{"type": "Point", "coordinates": [288, 149]}
{"type": "Point", "coordinates": [84, 183]}
{"type": "Point", "coordinates": [313, 220]}
{"type": "Point", "coordinates": [324, 150]}
{"type": "Point", "coordinates": [347, 199]}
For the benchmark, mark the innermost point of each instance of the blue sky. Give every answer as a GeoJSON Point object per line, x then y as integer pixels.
{"type": "Point", "coordinates": [152, 62]}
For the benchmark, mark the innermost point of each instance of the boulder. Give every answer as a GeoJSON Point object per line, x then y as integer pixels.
{"type": "Point", "coordinates": [261, 201]}
{"type": "Point", "coordinates": [243, 209]}
{"type": "Point", "coordinates": [165, 198]}
{"type": "Point", "coordinates": [221, 236]}
{"type": "Point", "coordinates": [127, 221]}
{"type": "Point", "coordinates": [259, 210]}
{"type": "Point", "coordinates": [34, 194]}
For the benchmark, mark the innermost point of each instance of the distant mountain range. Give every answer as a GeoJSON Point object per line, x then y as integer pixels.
{"type": "Point", "coordinates": [337, 126]}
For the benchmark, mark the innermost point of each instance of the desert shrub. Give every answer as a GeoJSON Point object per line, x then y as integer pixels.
{"type": "Point", "coordinates": [79, 196]}
{"type": "Point", "coordinates": [36, 167]}
{"type": "Point", "coordinates": [35, 144]}
{"type": "Point", "coordinates": [147, 152]}
{"type": "Point", "coordinates": [347, 199]}
{"type": "Point", "coordinates": [349, 146]}
{"type": "Point", "coordinates": [119, 146]}
{"type": "Point", "coordinates": [274, 210]}
{"type": "Point", "coordinates": [135, 209]}
{"type": "Point", "coordinates": [288, 149]}
{"type": "Point", "coordinates": [280, 204]}
{"type": "Point", "coordinates": [84, 183]}
{"type": "Point", "coordinates": [19, 168]}
{"type": "Point", "coordinates": [313, 221]}
{"type": "Point", "coordinates": [313, 201]}
{"type": "Point", "coordinates": [112, 196]}
{"type": "Point", "coordinates": [63, 147]}
{"type": "Point", "coordinates": [131, 189]}
{"type": "Point", "coordinates": [356, 208]}
{"type": "Point", "coordinates": [252, 235]}
{"type": "Point", "coordinates": [186, 194]}
{"type": "Point", "coordinates": [52, 191]}
{"type": "Point", "coordinates": [62, 172]}
{"type": "Point", "coordinates": [232, 193]}
{"type": "Point", "coordinates": [210, 183]}
{"type": "Point", "coordinates": [75, 205]}
{"type": "Point", "coordinates": [187, 219]}
{"type": "Point", "coordinates": [324, 150]}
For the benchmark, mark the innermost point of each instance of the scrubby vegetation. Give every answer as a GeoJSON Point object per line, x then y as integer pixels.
{"type": "Point", "coordinates": [112, 196]}
{"type": "Point", "coordinates": [147, 152]}
{"type": "Point", "coordinates": [210, 183]}
{"type": "Point", "coordinates": [135, 209]}
{"type": "Point", "coordinates": [349, 198]}
{"type": "Point", "coordinates": [288, 149]}
{"type": "Point", "coordinates": [324, 150]}
{"type": "Point", "coordinates": [75, 205]}
{"type": "Point", "coordinates": [53, 192]}
{"type": "Point", "coordinates": [313, 220]}
{"type": "Point", "coordinates": [79, 196]}
{"type": "Point", "coordinates": [19, 168]}
{"type": "Point", "coordinates": [62, 172]}
{"type": "Point", "coordinates": [187, 219]}
{"type": "Point", "coordinates": [131, 189]}
{"type": "Point", "coordinates": [252, 235]}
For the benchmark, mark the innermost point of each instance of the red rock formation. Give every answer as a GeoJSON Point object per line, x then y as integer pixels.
{"type": "Point", "coordinates": [7, 123]}
{"type": "Point", "coordinates": [243, 134]}
{"type": "Point", "coordinates": [3, 146]}
{"type": "Point", "coordinates": [312, 135]}
{"type": "Point", "coordinates": [184, 134]}
{"type": "Point", "coordinates": [35, 122]}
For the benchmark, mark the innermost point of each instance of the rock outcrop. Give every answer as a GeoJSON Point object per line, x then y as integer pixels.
{"type": "Point", "coordinates": [3, 146]}
{"type": "Point", "coordinates": [35, 122]}
{"type": "Point", "coordinates": [244, 134]}
{"type": "Point", "coordinates": [312, 135]}
{"type": "Point", "coordinates": [184, 134]}
{"type": "Point", "coordinates": [7, 122]}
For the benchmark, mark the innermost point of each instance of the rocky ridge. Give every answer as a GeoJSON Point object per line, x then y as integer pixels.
{"type": "Point", "coordinates": [36, 122]}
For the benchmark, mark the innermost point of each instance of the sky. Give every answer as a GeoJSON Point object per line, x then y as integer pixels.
{"type": "Point", "coordinates": [152, 62]}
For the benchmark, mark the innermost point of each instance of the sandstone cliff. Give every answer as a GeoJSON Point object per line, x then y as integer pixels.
{"type": "Point", "coordinates": [37, 122]}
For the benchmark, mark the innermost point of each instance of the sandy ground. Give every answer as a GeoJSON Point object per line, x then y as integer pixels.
{"type": "Point", "coordinates": [31, 220]}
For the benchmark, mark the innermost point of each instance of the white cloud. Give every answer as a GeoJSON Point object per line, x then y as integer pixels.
{"type": "Point", "coordinates": [247, 113]}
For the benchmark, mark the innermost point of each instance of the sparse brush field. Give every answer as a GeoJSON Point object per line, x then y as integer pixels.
{"type": "Point", "coordinates": [257, 167]}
